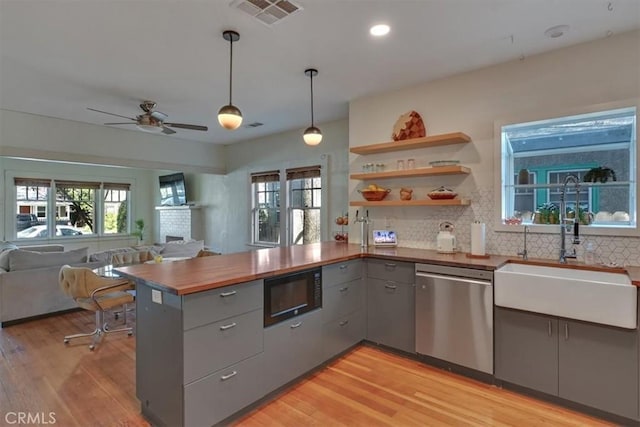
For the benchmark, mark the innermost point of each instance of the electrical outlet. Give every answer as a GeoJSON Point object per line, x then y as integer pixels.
{"type": "Point", "coordinates": [156, 296]}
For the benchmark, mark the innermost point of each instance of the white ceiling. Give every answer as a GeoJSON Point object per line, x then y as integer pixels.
{"type": "Point", "coordinates": [59, 57]}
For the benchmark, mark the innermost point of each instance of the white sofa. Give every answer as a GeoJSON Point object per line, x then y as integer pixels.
{"type": "Point", "coordinates": [29, 281]}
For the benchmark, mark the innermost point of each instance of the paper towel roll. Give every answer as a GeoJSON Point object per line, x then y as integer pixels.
{"type": "Point", "coordinates": [477, 238]}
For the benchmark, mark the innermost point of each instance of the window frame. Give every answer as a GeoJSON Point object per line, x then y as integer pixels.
{"type": "Point", "coordinates": [285, 217]}
{"type": "Point", "coordinates": [502, 168]}
{"type": "Point", "coordinates": [52, 206]}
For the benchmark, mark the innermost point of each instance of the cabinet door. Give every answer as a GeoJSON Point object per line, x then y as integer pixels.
{"type": "Point", "coordinates": [342, 333]}
{"type": "Point", "coordinates": [526, 349]}
{"type": "Point", "coordinates": [391, 314]}
{"type": "Point", "coordinates": [292, 348]}
{"type": "Point", "coordinates": [599, 366]}
{"type": "Point", "coordinates": [342, 299]}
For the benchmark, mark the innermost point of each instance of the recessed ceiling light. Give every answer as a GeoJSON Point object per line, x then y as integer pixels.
{"type": "Point", "coordinates": [557, 31]}
{"type": "Point", "coordinates": [379, 30]}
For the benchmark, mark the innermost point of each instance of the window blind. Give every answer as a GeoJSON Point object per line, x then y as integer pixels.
{"type": "Point", "coordinates": [305, 172]}
{"type": "Point", "coordinates": [269, 176]}
{"type": "Point", "coordinates": [32, 182]}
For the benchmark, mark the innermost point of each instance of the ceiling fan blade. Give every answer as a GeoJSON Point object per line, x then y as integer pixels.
{"type": "Point", "coordinates": [186, 126]}
{"type": "Point", "coordinates": [125, 123]}
{"type": "Point", "coordinates": [111, 114]}
{"type": "Point", "coordinates": [168, 131]}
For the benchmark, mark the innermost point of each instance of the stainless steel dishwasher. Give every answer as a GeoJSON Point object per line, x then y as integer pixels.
{"type": "Point", "coordinates": [454, 315]}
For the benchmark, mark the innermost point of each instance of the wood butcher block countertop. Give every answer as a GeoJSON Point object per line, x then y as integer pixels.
{"type": "Point", "coordinates": [201, 274]}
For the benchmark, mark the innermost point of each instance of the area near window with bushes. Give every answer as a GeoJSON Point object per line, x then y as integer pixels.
{"type": "Point", "coordinates": [48, 208]}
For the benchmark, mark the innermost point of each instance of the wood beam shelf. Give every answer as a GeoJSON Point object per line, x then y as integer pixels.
{"type": "Point", "coordinates": [410, 144]}
{"type": "Point", "coordinates": [412, 173]}
{"type": "Point", "coordinates": [423, 202]}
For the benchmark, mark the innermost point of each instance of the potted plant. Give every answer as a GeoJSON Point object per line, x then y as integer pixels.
{"type": "Point", "coordinates": [139, 232]}
{"type": "Point", "coordinates": [599, 174]}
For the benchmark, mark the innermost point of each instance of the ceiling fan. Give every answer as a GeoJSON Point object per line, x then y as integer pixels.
{"type": "Point", "coordinates": [152, 121]}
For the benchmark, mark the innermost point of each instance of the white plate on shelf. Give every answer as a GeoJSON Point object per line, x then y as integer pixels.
{"type": "Point", "coordinates": [437, 163]}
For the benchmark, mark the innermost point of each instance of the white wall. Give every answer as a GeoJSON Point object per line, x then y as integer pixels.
{"type": "Point", "coordinates": [38, 137]}
{"type": "Point", "coordinates": [602, 71]}
{"type": "Point", "coordinates": [227, 198]}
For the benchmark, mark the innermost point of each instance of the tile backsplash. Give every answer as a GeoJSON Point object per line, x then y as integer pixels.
{"type": "Point", "coordinates": [419, 230]}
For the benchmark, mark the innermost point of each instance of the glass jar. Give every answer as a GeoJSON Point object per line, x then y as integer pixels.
{"type": "Point", "coordinates": [400, 165]}
{"type": "Point", "coordinates": [411, 164]}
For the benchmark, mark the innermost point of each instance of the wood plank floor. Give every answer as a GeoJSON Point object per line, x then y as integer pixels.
{"type": "Point", "coordinates": [367, 387]}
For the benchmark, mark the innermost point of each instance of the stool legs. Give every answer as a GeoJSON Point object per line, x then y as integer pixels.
{"type": "Point", "coordinates": [101, 329]}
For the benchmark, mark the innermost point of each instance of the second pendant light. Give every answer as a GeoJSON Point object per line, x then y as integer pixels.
{"type": "Point", "coordinates": [312, 135]}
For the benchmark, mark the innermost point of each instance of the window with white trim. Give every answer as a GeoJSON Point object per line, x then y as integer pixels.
{"type": "Point", "coordinates": [598, 148]}
{"type": "Point", "coordinates": [266, 207]}
{"type": "Point", "coordinates": [305, 201]}
{"type": "Point", "coordinates": [79, 208]}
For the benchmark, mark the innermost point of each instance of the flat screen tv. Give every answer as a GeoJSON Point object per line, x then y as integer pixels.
{"type": "Point", "coordinates": [172, 190]}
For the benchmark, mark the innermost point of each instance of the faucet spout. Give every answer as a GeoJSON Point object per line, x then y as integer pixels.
{"type": "Point", "coordinates": [523, 253]}
{"type": "Point", "coordinates": [566, 223]}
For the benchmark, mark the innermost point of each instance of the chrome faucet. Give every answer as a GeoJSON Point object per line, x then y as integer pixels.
{"type": "Point", "coordinates": [565, 223]}
{"type": "Point", "coordinates": [523, 253]}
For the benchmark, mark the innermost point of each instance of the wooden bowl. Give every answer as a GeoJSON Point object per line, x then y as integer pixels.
{"type": "Point", "coordinates": [374, 195]}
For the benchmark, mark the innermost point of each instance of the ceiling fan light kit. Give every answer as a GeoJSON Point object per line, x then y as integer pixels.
{"type": "Point", "coordinates": [312, 135]}
{"type": "Point", "coordinates": [230, 116]}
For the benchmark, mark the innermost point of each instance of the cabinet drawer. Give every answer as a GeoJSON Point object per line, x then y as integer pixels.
{"type": "Point", "coordinates": [403, 272]}
{"type": "Point", "coordinates": [341, 272]}
{"type": "Point", "coordinates": [217, 345]}
{"type": "Point", "coordinates": [292, 348]}
{"type": "Point", "coordinates": [342, 333]}
{"type": "Point", "coordinates": [223, 393]}
{"type": "Point", "coordinates": [340, 300]}
{"type": "Point", "coordinates": [217, 304]}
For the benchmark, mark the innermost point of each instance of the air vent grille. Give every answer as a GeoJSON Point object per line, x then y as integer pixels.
{"type": "Point", "coordinates": [253, 125]}
{"type": "Point", "coordinates": [268, 12]}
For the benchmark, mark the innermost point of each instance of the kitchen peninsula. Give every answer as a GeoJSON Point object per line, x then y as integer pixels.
{"type": "Point", "coordinates": [203, 352]}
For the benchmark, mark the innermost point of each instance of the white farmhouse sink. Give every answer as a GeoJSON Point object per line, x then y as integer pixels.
{"type": "Point", "coordinates": [592, 296]}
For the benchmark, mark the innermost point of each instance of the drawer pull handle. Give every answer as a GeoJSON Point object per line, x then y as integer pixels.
{"type": "Point", "coordinates": [343, 266]}
{"type": "Point", "coordinates": [566, 331]}
{"type": "Point", "coordinates": [549, 324]}
{"type": "Point", "coordinates": [390, 265]}
{"type": "Point", "coordinates": [228, 294]}
{"type": "Point", "coordinates": [231, 375]}
{"type": "Point", "coordinates": [296, 325]}
{"type": "Point", "coordinates": [229, 326]}
{"type": "Point", "coordinates": [392, 287]}
{"type": "Point", "coordinates": [345, 289]}
{"type": "Point", "coordinates": [344, 323]}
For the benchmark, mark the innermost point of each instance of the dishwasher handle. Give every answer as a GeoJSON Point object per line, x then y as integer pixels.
{"type": "Point", "coordinates": [454, 278]}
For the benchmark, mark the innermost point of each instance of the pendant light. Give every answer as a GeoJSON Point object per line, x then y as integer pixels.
{"type": "Point", "coordinates": [312, 135]}
{"type": "Point", "coordinates": [230, 116]}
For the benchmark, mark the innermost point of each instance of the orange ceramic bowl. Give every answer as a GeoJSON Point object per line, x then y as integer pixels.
{"type": "Point", "coordinates": [374, 195]}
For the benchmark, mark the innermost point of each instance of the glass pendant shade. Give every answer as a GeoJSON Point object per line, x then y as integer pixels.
{"type": "Point", "coordinates": [230, 117]}
{"type": "Point", "coordinates": [312, 136]}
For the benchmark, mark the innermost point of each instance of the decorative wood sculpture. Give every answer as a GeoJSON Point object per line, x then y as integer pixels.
{"type": "Point", "coordinates": [409, 126]}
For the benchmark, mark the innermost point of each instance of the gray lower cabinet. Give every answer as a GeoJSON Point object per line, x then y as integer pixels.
{"type": "Point", "coordinates": [595, 365]}
{"type": "Point", "coordinates": [221, 394]}
{"type": "Point", "coordinates": [291, 348]}
{"type": "Point", "coordinates": [342, 333]}
{"type": "Point", "coordinates": [598, 366]}
{"type": "Point", "coordinates": [391, 314]}
{"type": "Point", "coordinates": [526, 349]}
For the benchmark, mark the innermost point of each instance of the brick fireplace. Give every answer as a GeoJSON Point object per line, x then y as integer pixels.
{"type": "Point", "coordinates": [180, 222]}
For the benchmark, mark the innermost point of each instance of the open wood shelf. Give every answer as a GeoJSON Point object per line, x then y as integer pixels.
{"type": "Point", "coordinates": [410, 173]}
{"type": "Point", "coordinates": [423, 202]}
{"type": "Point", "coordinates": [410, 144]}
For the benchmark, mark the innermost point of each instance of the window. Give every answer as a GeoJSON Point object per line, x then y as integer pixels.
{"type": "Point", "coordinates": [287, 206]}
{"type": "Point", "coordinates": [598, 148]}
{"type": "Point", "coordinates": [266, 207]}
{"type": "Point", "coordinates": [79, 208]}
{"type": "Point", "coordinates": [305, 196]}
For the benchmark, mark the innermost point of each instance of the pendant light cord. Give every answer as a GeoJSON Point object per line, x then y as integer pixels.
{"type": "Point", "coordinates": [311, 75]}
{"type": "Point", "coordinates": [230, 69]}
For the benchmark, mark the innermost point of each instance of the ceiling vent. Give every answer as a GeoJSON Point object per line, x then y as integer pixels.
{"type": "Point", "coordinates": [268, 12]}
{"type": "Point", "coordinates": [254, 125]}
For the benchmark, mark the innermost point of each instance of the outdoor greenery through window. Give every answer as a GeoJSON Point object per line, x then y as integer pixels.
{"type": "Point", "coordinates": [49, 208]}
{"type": "Point", "coordinates": [598, 148]}
{"type": "Point", "coordinates": [302, 201]}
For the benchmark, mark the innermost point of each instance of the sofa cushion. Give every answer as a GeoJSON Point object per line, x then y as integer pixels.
{"type": "Point", "coordinates": [105, 256]}
{"type": "Point", "coordinates": [182, 249]}
{"type": "Point", "coordinates": [20, 259]}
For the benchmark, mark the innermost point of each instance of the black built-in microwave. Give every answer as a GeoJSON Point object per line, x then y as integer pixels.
{"type": "Point", "coordinates": [292, 294]}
